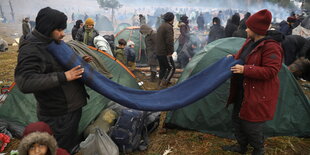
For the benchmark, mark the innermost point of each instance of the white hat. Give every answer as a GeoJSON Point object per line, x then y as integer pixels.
{"type": "Point", "coordinates": [129, 43]}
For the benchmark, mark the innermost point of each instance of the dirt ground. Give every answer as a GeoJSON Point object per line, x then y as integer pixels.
{"type": "Point", "coordinates": [180, 142]}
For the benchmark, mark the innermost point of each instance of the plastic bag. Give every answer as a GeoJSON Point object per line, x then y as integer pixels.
{"type": "Point", "coordinates": [99, 144]}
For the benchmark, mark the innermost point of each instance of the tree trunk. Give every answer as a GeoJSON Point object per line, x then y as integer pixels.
{"type": "Point", "coordinates": [12, 11]}
{"type": "Point", "coordinates": [1, 11]}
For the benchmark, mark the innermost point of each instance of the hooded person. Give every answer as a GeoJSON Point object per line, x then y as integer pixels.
{"type": "Point", "coordinates": [217, 31]}
{"type": "Point", "coordinates": [38, 143]}
{"type": "Point", "coordinates": [254, 87]}
{"type": "Point", "coordinates": [76, 27]}
{"type": "Point", "coordinates": [150, 43]}
{"type": "Point", "coordinates": [232, 25]}
{"type": "Point", "coordinates": [59, 95]}
{"type": "Point", "coordinates": [38, 139]}
{"type": "Point", "coordinates": [165, 49]}
{"type": "Point", "coordinates": [184, 30]}
{"type": "Point", "coordinates": [87, 33]}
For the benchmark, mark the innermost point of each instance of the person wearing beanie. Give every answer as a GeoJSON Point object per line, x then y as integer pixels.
{"type": "Point", "coordinates": [130, 55]}
{"type": "Point", "coordinates": [87, 33]}
{"type": "Point", "coordinates": [76, 27]}
{"type": "Point", "coordinates": [60, 96]}
{"type": "Point", "coordinates": [165, 49]}
{"type": "Point", "coordinates": [254, 87]}
{"type": "Point", "coordinates": [150, 45]}
{"type": "Point", "coordinates": [184, 30]}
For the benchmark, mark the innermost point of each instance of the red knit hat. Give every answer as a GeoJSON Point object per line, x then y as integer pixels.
{"type": "Point", "coordinates": [37, 126]}
{"type": "Point", "coordinates": [259, 22]}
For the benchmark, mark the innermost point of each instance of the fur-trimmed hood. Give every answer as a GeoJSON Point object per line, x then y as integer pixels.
{"type": "Point", "coordinates": [38, 137]}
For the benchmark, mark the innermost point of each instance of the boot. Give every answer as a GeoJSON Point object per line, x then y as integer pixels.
{"type": "Point", "coordinates": [235, 148]}
{"type": "Point", "coordinates": [163, 84]}
{"type": "Point", "coordinates": [153, 76]}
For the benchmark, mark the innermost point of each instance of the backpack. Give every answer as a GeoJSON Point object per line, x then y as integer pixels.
{"type": "Point", "coordinates": [130, 131]}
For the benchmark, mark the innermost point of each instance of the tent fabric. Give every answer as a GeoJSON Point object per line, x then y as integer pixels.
{"type": "Point", "coordinates": [133, 34]}
{"type": "Point", "coordinates": [96, 62]}
{"type": "Point", "coordinates": [190, 90]}
{"type": "Point", "coordinates": [21, 108]}
{"type": "Point", "coordinates": [121, 26]}
{"type": "Point", "coordinates": [210, 115]}
{"type": "Point", "coordinates": [104, 24]}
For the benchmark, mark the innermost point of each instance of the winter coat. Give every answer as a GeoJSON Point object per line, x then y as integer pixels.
{"type": "Point", "coordinates": [80, 36]}
{"type": "Point", "coordinates": [232, 25]}
{"type": "Point", "coordinates": [200, 21]}
{"type": "Point", "coordinates": [184, 36]}
{"type": "Point", "coordinates": [74, 32]}
{"type": "Point", "coordinates": [240, 33]}
{"type": "Point", "coordinates": [216, 32]}
{"type": "Point", "coordinates": [39, 73]}
{"type": "Point", "coordinates": [150, 45]}
{"type": "Point", "coordinates": [102, 44]}
{"type": "Point", "coordinates": [294, 46]}
{"type": "Point", "coordinates": [120, 55]}
{"type": "Point", "coordinates": [230, 29]}
{"type": "Point", "coordinates": [37, 137]}
{"type": "Point", "coordinates": [261, 83]}
{"type": "Point", "coordinates": [164, 39]}
{"type": "Point", "coordinates": [26, 28]}
{"type": "Point", "coordinates": [130, 54]}
{"type": "Point", "coordinates": [285, 28]}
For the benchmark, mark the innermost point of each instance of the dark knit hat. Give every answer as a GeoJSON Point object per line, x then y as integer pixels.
{"type": "Point", "coordinates": [259, 22]}
{"type": "Point", "coordinates": [49, 19]}
{"type": "Point", "coordinates": [37, 127]}
{"type": "Point", "coordinates": [169, 16]}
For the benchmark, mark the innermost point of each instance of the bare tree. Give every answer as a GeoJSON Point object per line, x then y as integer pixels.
{"type": "Point", "coordinates": [109, 4]}
{"type": "Point", "coordinates": [12, 11]}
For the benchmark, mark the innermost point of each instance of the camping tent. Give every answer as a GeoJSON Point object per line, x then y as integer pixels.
{"type": "Point", "coordinates": [121, 26]}
{"type": "Point", "coordinates": [292, 117]}
{"type": "Point", "coordinates": [303, 29]}
{"type": "Point", "coordinates": [21, 108]}
{"type": "Point", "coordinates": [133, 34]}
{"type": "Point", "coordinates": [104, 24]}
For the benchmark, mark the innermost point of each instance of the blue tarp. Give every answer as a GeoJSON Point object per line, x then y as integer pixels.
{"type": "Point", "coordinates": [185, 93]}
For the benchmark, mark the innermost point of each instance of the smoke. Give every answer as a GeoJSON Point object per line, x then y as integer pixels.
{"type": "Point", "coordinates": [30, 8]}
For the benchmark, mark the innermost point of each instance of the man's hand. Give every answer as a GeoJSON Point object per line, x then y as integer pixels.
{"type": "Point", "coordinates": [74, 73]}
{"type": "Point", "coordinates": [237, 69]}
{"type": "Point", "coordinates": [87, 58]}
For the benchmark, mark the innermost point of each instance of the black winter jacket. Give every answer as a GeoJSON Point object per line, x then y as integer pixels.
{"type": "Point", "coordinates": [216, 32]}
{"type": "Point", "coordinates": [39, 73]}
{"type": "Point", "coordinates": [165, 39]}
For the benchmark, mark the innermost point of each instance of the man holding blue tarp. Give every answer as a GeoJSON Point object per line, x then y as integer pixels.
{"type": "Point", "coordinates": [255, 85]}
{"type": "Point", "coordinates": [60, 96]}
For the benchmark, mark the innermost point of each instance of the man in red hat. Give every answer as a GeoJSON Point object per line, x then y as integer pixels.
{"type": "Point", "coordinates": [255, 85]}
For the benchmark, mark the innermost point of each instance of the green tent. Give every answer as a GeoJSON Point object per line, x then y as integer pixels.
{"type": "Point", "coordinates": [21, 108]}
{"type": "Point", "coordinates": [104, 24]}
{"type": "Point", "coordinates": [292, 117]}
{"type": "Point", "coordinates": [133, 34]}
{"type": "Point", "coordinates": [121, 26]}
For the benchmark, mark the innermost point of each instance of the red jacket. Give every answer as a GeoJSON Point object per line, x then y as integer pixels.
{"type": "Point", "coordinates": [261, 83]}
